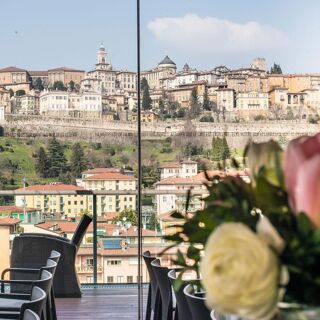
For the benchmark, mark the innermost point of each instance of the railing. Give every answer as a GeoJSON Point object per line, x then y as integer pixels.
{"type": "Point", "coordinates": [94, 194]}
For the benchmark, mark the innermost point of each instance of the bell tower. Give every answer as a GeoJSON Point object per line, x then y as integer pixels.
{"type": "Point", "coordinates": [102, 55]}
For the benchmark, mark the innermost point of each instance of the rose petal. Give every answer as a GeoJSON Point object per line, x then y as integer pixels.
{"type": "Point", "coordinates": [306, 191]}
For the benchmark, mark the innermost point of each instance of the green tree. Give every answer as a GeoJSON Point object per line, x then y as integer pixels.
{"type": "Point", "coordinates": [77, 161]}
{"type": "Point", "coordinates": [146, 99]}
{"type": "Point", "coordinates": [20, 93]}
{"type": "Point", "coordinates": [72, 86]}
{"type": "Point", "coordinates": [220, 149]}
{"type": "Point", "coordinates": [38, 84]}
{"type": "Point", "coordinates": [276, 69]}
{"type": "Point", "coordinates": [42, 164]}
{"type": "Point", "coordinates": [194, 104]}
{"type": "Point", "coordinates": [150, 175]}
{"type": "Point", "coordinates": [206, 118]}
{"type": "Point", "coordinates": [127, 215]}
{"type": "Point", "coordinates": [143, 84]}
{"type": "Point", "coordinates": [58, 85]}
{"type": "Point", "coordinates": [57, 159]}
{"type": "Point", "coordinates": [206, 105]}
{"type": "Point", "coordinates": [153, 223]}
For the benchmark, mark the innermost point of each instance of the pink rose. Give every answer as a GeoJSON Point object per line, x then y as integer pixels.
{"type": "Point", "coordinates": [302, 176]}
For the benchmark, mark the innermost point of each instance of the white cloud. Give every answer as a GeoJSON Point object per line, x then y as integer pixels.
{"type": "Point", "coordinates": [213, 35]}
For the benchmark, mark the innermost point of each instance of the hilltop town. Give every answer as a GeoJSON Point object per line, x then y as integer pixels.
{"type": "Point", "coordinates": [220, 94]}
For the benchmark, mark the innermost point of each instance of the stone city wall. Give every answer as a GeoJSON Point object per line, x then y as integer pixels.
{"type": "Point", "coordinates": [237, 134]}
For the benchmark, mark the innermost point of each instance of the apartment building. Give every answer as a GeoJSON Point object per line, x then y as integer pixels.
{"type": "Point", "coordinates": [66, 205]}
{"type": "Point", "coordinates": [5, 100]}
{"type": "Point", "coordinates": [65, 75]}
{"type": "Point", "coordinates": [251, 104]}
{"type": "Point", "coordinates": [75, 105]}
{"type": "Point", "coordinates": [111, 181]}
{"type": "Point", "coordinates": [15, 78]}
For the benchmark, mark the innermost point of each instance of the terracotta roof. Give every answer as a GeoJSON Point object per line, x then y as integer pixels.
{"type": "Point", "coordinates": [130, 251]}
{"type": "Point", "coordinates": [179, 180]}
{"type": "Point", "coordinates": [52, 187]}
{"type": "Point", "coordinates": [12, 69]}
{"type": "Point", "coordinates": [101, 170]}
{"type": "Point", "coordinates": [65, 69]}
{"type": "Point", "coordinates": [171, 165]}
{"type": "Point", "coordinates": [110, 215]}
{"type": "Point", "coordinates": [110, 176]}
{"type": "Point", "coordinates": [15, 209]}
{"type": "Point", "coordinates": [189, 161]}
{"type": "Point", "coordinates": [38, 73]}
{"type": "Point", "coordinates": [110, 229]}
{"type": "Point", "coordinates": [9, 221]}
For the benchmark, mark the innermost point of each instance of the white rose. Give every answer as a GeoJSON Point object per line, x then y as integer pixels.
{"type": "Point", "coordinates": [240, 273]}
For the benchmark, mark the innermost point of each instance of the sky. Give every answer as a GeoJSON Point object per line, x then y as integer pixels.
{"type": "Point", "coordinates": [43, 34]}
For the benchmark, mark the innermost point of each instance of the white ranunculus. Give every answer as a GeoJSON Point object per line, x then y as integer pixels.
{"type": "Point", "coordinates": [240, 273]}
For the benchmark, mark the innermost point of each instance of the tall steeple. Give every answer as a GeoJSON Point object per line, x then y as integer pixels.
{"type": "Point", "coordinates": [102, 55]}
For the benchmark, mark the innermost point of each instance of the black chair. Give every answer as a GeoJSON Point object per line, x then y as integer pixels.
{"type": "Point", "coordinates": [153, 290]}
{"type": "Point", "coordinates": [35, 304]}
{"type": "Point", "coordinates": [31, 249]}
{"type": "Point", "coordinates": [182, 307]}
{"type": "Point", "coordinates": [165, 303]}
{"type": "Point", "coordinates": [13, 301]}
{"type": "Point", "coordinates": [30, 315]}
{"type": "Point", "coordinates": [196, 301]}
{"type": "Point", "coordinates": [19, 274]}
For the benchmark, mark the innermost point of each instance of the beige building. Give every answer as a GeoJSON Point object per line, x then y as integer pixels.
{"type": "Point", "coordinates": [86, 105]}
{"type": "Point", "coordinates": [68, 205]}
{"type": "Point", "coordinates": [5, 99]}
{"type": "Point", "coordinates": [15, 78]}
{"type": "Point", "coordinates": [126, 81]}
{"type": "Point", "coordinates": [251, 104]}
{"type": "Point", "coordinates": [27, 104]}
{"type": "Point", "coordinates": [278, 96]}
{"type": "Point", "coordinates": [225, 99]}
{"type": "Point", "coordinates": [8, 227]}
{"type": "Point", "coordinates": [112, 181]}
{"type": "Point", "coordinates": [156, 76]}
{"type": "Point", "coordinates": [66, 75]}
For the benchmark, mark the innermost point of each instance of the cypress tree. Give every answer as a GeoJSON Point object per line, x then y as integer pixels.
{"type": "Point", "coordinates": [194, 104]}
{"type": "Point", "coordinates": [42, 163]}
{"type": "Point", "coordinates": [146, 99]}
{"type": "Point", "coordinates": [206, 105]}
{"type": "Point", "coordinates": [77, 161]}
{"type": "Point", "coordinates": [57, 159]}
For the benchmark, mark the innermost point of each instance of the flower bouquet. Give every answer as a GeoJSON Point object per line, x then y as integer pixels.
{"type": "Point", "coordinates": [256, 245]}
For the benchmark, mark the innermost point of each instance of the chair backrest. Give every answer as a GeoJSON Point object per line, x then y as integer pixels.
{"type": "Point", "coordinates": [81, 230]}
{"type": "Point", "coordinates": [29, 315]}
{"type": "Point", "coordinates": [50, 266]}
{"type": "Point", "coordinates": [36, 303]}
{"type": "Point", "coordinates": [196, 302]}
{"type": "Point", "coordinates": [45, 281]}
{"type": "Point", "coordinates": [165, 288]}
{"type": "Point", "coordinates": [182, 304]}
{"type": "Point", "coordinates": [148, 258]}
{"type": "Point", "coordinates": [55, 256]}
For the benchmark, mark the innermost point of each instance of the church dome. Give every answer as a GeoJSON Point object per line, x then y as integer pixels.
{"type": "Point", "coordinates": [102, 48]}
{"type": "Point", "coordinates": [167, 63]}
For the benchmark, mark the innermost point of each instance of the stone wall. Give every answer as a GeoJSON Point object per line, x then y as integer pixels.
{"type": "Point", "coordinates": [120, 132]}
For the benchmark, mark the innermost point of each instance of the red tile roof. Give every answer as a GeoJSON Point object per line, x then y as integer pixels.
{"type": "Point", "coordinates": [110, 176]}
{"type": "Point", "coordinates": [12, 69]}
{"type": "Point", "coordinates": [52, 187]}
{"type": "Point", "coordinates": [15, 209]}
{"type": "Point", "coordinates": [171, 165]}
{"type": "Point", "coordinates": [9, 221]}
{"type": "Point", "coordinates": [38, 73]}
{"type": "Point", "coordinates": [179, 180]}
{"type": "Point", "coordinates": [65, 69]}
{"type": "Point", "coordinates": [101, 170]}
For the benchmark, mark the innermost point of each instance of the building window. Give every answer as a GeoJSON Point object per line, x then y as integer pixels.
{"type": "Point", "coordinates": [113, 262]}
{"type": "Point", "coordinates": [110, 279]}
{"type": "Point", "coordinates": [129, 279]}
